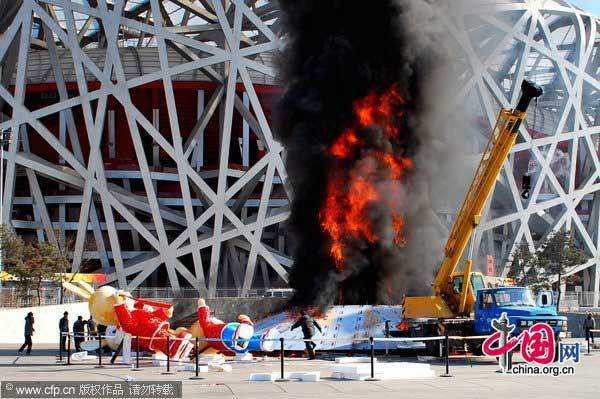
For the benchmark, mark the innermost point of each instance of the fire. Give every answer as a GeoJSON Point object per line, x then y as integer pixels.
{"type": "Point", "coordinates": [355, 183]}
{"type": "Point", "coordinates": [379, 110]}
{"type": "Point", "coordinates": [342, 147]}
{"type": "Point", "coordinates": [398, 223]}
{"type": "Point", "coordinates": [403, 326]}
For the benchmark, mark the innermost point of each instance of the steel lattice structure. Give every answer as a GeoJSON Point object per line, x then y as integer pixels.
{"type": "Point", "coordinates": [224, 220]}
{"type": "Point", "coordinates": [558, 46]}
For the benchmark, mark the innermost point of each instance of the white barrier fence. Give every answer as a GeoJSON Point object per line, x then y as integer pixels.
{"type": "Point", "coordinates": [444, 342]}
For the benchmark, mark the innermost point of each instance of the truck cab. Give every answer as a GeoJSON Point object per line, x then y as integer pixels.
{"type": "Point", "coordinates": [521, 308]}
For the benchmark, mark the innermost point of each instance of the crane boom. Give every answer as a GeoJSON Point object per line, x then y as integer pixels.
{"type": "Point", "coordinates": [453, 291]}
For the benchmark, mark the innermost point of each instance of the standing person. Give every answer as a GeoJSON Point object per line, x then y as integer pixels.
{"type": "Point", "coordinates": [28, 333]}
{"type": "Point", "coordinates": [78, 332]}
{"type": "Point", "coordinates": [91, 328]}
{"type": "Point", "coordinates": [589, 324]}
{"type": "Point", "coordinates": [63, 326]}
{"type": "Point", "coordinates": [308, 325]}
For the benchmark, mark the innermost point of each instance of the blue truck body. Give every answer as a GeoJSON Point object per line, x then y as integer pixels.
{"type": "Point", "coordinates": [520, 307]}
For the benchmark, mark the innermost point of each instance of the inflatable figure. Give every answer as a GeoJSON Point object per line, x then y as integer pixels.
{"type": "Point", "coordinates": [147, 319]}
{"type": "Point", "coordinates": [236, 337]}
{"type": "Point", "coordinates": [134, 316]}
{"type": "Point", "coordinates": [113, 335]}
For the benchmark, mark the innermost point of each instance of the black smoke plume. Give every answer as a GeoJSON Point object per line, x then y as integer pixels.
{"type": "Point", "coordinates": [337, 52]}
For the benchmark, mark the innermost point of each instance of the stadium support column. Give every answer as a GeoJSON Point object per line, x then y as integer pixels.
{"type": "Point", "coordinates": [265, 274]}
{"type": "Point", "coordinates": [112, 150]}
{"type": "Point", "coordinates": [246, 135]}
{"type": "Point", "coordinates": [62, 133]}
{"type": "Point", "coordinates": [587, 283]}
{"type": "Point", "coordinates": [155, 147]}
{"type": "Point", "coordinates": [198, 155]}
{"type": "Point", "coordinates": [135, 236]}
{"type": "Point", "coordinates": [597, 285]}
{"type": "Point", "coordinates": [225, 272]}
{"type": "Point", "coordinates": [62, 214]}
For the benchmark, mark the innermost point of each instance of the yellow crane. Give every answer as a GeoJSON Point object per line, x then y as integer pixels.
{"type": "Point", "coordinates": [454, 291]}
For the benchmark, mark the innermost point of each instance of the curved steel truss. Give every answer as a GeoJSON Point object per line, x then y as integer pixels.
{"type": "Point", "coordinates": [558, 46]}
{"type": "Point", "coordinates": [226, 221]}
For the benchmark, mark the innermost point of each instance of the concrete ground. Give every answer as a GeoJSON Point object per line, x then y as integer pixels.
{"type": "Point", "coordinates": [474, 379]}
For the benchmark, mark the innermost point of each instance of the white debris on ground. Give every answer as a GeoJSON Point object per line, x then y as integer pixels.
{"type": "Point", "coordinates": [358, 359]}
{"type": "Point", "coordinates": [383, 371]}
{"type": "Point", "coordinates": [312, 376]}
{"type": "Point", "coordinates": [82, 356]}
{"type": "Point", "coordinates": [211, 359]}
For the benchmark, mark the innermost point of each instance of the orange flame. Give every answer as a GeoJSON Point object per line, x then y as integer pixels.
{"type": "Point", "coordinates": [351, 191]}
{"type": "Point", "coordinates": [379, 110]}
{"type": "Point", "coordinates": [344, 145]}
{"type": "Point", "coordinates": [403, 326]}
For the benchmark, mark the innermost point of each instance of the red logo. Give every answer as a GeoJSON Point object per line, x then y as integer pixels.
{"type": "Point", "coordinates": [537, 343]}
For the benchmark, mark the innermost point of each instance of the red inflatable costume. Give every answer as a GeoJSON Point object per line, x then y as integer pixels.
{"type": "Point", "coordinates": [227, 333]}
{"type": "Point", "coordinates": [148, 319]}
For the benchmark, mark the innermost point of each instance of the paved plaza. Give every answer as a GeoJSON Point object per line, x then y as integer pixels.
{"type": "Point", "coordinates": [471, 379]}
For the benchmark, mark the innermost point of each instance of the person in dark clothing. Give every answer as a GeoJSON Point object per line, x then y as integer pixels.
{"type": "Point", "coordinates": [91, 328]}
{"type": "Point", "coordinates": [589, 324]}
{"type": "Point", "coordinates": [79, 332]}
{"type": "Point", "coordinates": [308, 325]}
{"type": "Point", "coordinates": [63, 326]}
{"type": "Point", "coordinates": [28, 333]}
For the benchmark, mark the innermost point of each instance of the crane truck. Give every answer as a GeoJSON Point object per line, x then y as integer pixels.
{"type": "Point", "coordinates": [461, 304]}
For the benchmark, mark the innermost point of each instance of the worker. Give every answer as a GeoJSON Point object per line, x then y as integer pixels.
{"type": "Point", "coordinates": [63, 326]}
{"type": "Point", "coordinates": [28, 333]}
{"type": "Point", "coordinates": [589, 324]}
{"type": "Point", "coordinates": [308, 325]}
{"type": "Point", "coordinates": [78, 332]}
{"type": "Point", "coordinates": [91, 328]}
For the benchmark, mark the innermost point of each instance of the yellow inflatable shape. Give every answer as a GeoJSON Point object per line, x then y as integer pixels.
{"type": "Point", "coordinates": [101, 306]}
{"type": "Point", "coordinates": [101, 303]}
